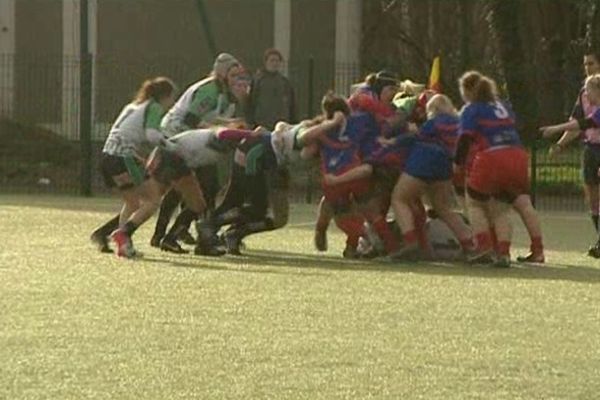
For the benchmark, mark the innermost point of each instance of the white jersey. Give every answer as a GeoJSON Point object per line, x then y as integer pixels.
{"type": "Point", "coordinates": [129, 134]}
{"type": "Point", "coordinates": [202, 99]}
{"type": "Point", "coordinates": [199, 147]}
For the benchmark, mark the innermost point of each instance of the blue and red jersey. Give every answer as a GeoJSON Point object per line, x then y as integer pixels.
{"type": "Point", "coordinates": [441, 130]}
{"type": "Point", "coordinates": [490, 125]}
{"type": "Point", "coordinates": [343, 150]}
{"type": "Point", "coordinates": [366, 100]}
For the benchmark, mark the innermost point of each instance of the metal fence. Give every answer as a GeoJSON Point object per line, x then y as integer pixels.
{"type": "Point", "coordinates": [41, 148]}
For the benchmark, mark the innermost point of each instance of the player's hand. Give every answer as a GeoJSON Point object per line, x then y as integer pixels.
{"type": "Point", "coordinates": [548, 131]}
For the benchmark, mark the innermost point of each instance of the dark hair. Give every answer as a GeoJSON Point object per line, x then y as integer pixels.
{"type": "Point", "coordinates": [332, 103]}
{"type": "Point", "coordinates": [383, 79]}
{"type": "Point", "coordinates": [481, 87]}
{"type": "Point", "coordinates": [594, 52]}
{"type": "Point", "coordinates": [156, 88]}
{"type": "Point", "coordinates": [272, 52]}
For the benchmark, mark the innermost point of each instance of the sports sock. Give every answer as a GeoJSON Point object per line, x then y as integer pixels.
{"type": "Point", "coordinates": [352, 226]}
{"type": "Point", "coordinates": [385, 233]}
{"type": "Point", "coordinates": [109, 226]}
{"type": "Point", "coordinates": [504, 248]}
{"type": "Point", "coordinates": [484, 241]}
{"type": "Point", "coordinates": [410, 238]}
{"type": "Point", "coordinates": [129, 228]}
{"type": "Point", "coordinates": [167, 208]}
{"type": "Point", "coordinates": [182, 223]}
{"type": "Point", "coordinates": [537, 246]}
{"type": "Point", "coordinates": [467, 244]}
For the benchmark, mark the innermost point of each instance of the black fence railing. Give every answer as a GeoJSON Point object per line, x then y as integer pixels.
{"type": "Point", "coordinates": [40, 149]}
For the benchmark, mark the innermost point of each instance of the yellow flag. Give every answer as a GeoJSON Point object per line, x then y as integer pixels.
{"type": "Point", "coordinates": [434, 76]}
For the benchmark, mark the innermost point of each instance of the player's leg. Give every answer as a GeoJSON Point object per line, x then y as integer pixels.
{"type": "Point", "coordinates": [191, 192]}
{"type": "Point", "coordinates": [407, 191]}
{"type": "Point", "coordinates": [441, 196]}
{"type": "Point", "coordinates": [228, 212]}
{"type": "Point", "coordinates": [591, 180]}
{"type": "Point", "coordinates": [324, 216]}
{"type": "Point", "coordinates": [529, 216]}
{"type": "Point", "coordinates": [500, 217]}
{"type": "Point", "coordinates": [168, 206]}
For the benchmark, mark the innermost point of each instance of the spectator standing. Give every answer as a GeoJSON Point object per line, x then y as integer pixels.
{"type": "Point", "coordinates": [271, 94]}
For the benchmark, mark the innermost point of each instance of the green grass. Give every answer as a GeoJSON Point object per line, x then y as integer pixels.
{"type": "Point", "coordinates": [283, 321]}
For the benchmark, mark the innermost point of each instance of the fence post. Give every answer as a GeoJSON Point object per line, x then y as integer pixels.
{"type": "Point", "coordinates": [534, 171]}
{"type": "Point", "coordinates": [310, 112]}
{"type": "Point", "coordinates": [85, 103]}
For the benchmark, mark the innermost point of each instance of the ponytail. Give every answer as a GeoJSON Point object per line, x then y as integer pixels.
{"type": "Point", "coordinates": [478, 87]}
{"type": "Point", "coordinates": [155, 88]}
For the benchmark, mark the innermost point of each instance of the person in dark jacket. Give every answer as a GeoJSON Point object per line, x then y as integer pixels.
{"type": "Point", "coordinates": [271, 94]}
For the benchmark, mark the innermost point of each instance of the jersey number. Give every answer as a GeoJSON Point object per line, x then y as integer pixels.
{"type": "Point", "coordinates": [500, 111]}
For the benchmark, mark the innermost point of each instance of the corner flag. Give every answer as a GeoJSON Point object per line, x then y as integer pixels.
{"type": "Point", "coordinates": [434, 76]}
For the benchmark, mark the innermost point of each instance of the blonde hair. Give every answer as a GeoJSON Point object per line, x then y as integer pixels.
{"type": "Point", "coordinates": [478, 86]}
{"type": "Point", "coordinates": [440, 104]}
{"type": "Point", "coordinates": [593, 82]}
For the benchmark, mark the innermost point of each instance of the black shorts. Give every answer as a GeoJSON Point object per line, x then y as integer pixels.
{"type": "Point", "coordinates": [111, 166]}
{"type": "Point", "coordinates": [591, 164]}
{"type": "Point", "coordinates": [278, 178]}
{"type": "Point", "coordinates": [166, 167]}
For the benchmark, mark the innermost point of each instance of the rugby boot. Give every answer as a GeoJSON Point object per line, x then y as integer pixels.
{"type": "Point", "coordinates": [170, 245]}
{"type": "Point", "coordinates": [101, 242]}
{"type": "Point", "coordinates": [350, 253]}
{"type": "Point", "coordinates": [321, 239]}
{"type": "Point", "coordinates": [594, 251]}
{"type": "Point", "coordinates": [477, 256]}
{"type": "Point", "coordinates": [532, 257]}
{"type": "Point", "coordinates": [502, 261]}
{"type": "Point", "coordinates": [211, 251]}
{"type": "Point", "coordinates": [186, 237]}
{"type": "Point", "coordinates": [156, 240]}
{"type": "Point", "coordinates": [233, 243]}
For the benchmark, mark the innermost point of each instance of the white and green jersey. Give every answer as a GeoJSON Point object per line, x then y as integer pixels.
{"type": "Point", "coordinates": [136, 130]}
{"type": "Point", "coordinates": [199, 147]}
{"type": "Point", "coordinates": [204, 100]}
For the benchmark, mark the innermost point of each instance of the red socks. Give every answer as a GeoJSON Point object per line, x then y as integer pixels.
{"type": "Point", "coordinates": [537, 247]}
{"type": "Point", "coordinates": [352, 226]}
{"type": "Point", "coordinates": [386, 234]}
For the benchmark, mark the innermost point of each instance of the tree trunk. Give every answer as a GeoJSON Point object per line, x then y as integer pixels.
{"type": "Point", "coordinates": [505, 29]}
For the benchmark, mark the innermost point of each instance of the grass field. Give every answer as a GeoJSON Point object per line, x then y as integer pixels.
{"type": "Point", "coordinates": [284, 322]}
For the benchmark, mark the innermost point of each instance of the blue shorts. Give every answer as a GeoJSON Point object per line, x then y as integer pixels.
{"type": "Point", "coordinates": [428, 162]}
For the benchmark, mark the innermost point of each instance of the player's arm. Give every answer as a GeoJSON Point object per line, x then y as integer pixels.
{"type": "Point", "coordinates": [569, 135]}
{"type": "Point", "coordinates": [360, 172]}
{"type": "Point", "coordinates": [204, 101]}
{"type": "Point", "coordinates": [309, 151]}
{"type": "Point", "coordinates": [312, 134]}
{"type": "Point", "coordinates": [154, 114]}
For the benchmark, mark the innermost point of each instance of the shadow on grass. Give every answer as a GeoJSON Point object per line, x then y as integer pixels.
{"type": "Point", "coordinates": [230, 264]}
{"type": "Point", "coordinates": [281, 262]}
